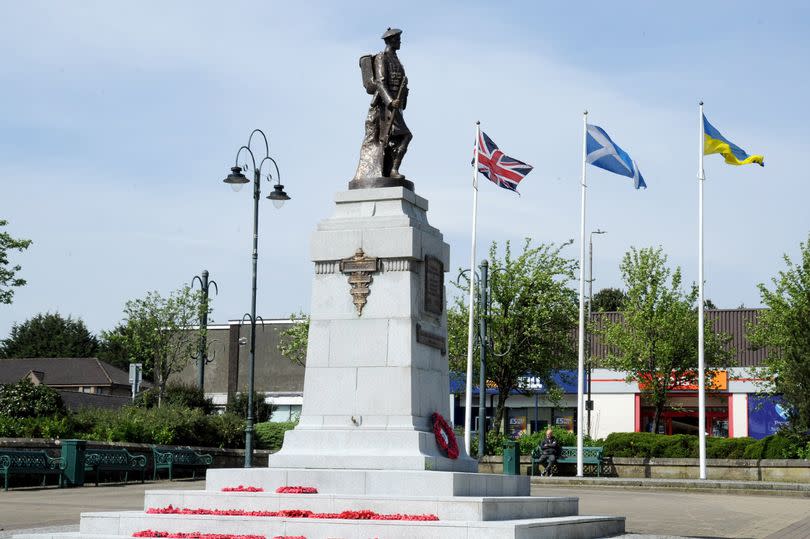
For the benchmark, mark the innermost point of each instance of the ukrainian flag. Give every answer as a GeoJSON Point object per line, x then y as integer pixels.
{"type": "Point", "coordinates": [714, 142]}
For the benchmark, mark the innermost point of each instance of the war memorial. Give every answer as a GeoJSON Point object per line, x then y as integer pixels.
{"type": "Point", "coordinates": [372, 455]}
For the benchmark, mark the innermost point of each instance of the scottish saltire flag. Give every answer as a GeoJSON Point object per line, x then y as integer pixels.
{"type": "Point", "coordinates": [602, 152]}
{"type": "Point", "coordinates": [714, 142]}
{"type": "Point", "coordinates": [498, 167]}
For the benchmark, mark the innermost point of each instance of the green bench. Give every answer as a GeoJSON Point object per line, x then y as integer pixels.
{"type": "Point", "coordinates": [171, 458]}
{"type": "Point", "coordinates": [590, 455]}
{"type": "Point", "coordinates": [116, 460]}
{"type": "Point", "coordinates": [30, 462]}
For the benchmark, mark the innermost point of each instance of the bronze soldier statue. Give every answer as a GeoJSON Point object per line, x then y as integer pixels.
{"type": "Point", "coordinates": [387, 137]}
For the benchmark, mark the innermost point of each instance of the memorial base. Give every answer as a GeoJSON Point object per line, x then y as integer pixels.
{"type": "Point", "coordinates": [468, 506]}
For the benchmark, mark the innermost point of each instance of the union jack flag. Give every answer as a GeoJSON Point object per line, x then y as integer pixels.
{"type": "Point", "coordinates": [498, 167]}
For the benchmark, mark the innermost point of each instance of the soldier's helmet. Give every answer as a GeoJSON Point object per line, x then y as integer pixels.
{"type": "Point", "coordinates": [391, 32]}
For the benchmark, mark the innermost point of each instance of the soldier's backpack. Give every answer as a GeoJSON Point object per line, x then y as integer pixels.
{"type": "Point", "coordinates": [367, 71]}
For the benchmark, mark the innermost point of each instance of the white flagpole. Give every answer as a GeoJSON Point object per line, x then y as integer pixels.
{"type": "Point", "coordinates": [701, 364]}
{"type": "Point", "coordinates": [581, 358]}
{"type": "Point", "coordinates": [470, 325]}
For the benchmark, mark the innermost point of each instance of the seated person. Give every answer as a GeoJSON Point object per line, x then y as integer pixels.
{"type": "Point", "coordinates": [550, 449]}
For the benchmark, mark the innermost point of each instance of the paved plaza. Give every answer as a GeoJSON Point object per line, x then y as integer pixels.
{"type": "Point", "coordinates": [693, 514]}
{"type": "Point", "coordinates": [649, 512]}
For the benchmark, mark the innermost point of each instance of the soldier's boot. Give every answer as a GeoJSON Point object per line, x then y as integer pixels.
{"type": "Point", "coordinates": [395, 163]}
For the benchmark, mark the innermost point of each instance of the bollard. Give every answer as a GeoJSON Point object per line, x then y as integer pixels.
{"type": "Point", "coordinates": [511, 458]}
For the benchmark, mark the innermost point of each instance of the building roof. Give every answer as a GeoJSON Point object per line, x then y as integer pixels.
{"type": "Point", "coordinates": [62, 372]}
{"type": "Point", "coordinates": [733, 322]}
{"type": "Point", "coordinates": [76, 400]}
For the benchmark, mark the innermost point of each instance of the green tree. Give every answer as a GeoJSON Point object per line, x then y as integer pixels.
{"type": "Point", "coordinates": [656, 341]}
{"type": "Point", "coordinates": [784, 330]}
{"type": "Point", "coordinates": [293, 342]}
{"type": "Point", "coordinates": [238, 405]}
{"type": "Point", "coordinates": [50, 335]}
{"type": "Point", "coordinates": [112, 347]}
{"type": "Point", "coordinates": [160, 333]}
{"type": "Point", "coordinates": [532, 314]}
{"type": "Point", "coordinates": [8, 279]}
{"type": "Point", "coordinates": [608, 300]}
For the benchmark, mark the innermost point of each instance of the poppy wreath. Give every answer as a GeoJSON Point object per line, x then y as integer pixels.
{"type": "Point", "coordinates": [296, 490]}
{"type": "Point", "coordinates": [242, 488]}
{"type": "Point", "coordinates": [445, 436]}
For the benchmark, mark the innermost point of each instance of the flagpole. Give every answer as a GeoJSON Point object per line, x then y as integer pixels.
{"type": "Point", "coordinates": [701, 358]}
{"type": "Point", "coordinates": [468, 388]}
{"type": "Point", "coordinates": [581, 356]}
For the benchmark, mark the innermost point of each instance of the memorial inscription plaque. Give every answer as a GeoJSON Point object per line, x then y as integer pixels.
{"type": "Point", "coordinates": [434, 285]}
{"type": "Point", "coordinates": [433, 340]}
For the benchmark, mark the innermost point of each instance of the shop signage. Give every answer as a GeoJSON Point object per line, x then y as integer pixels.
{"type": "Point", "coordinates": [717, 381]}
{"type": "Point", "coordinates": [517, 426]}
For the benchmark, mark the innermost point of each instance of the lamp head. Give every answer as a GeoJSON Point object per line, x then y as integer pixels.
{"type": "Point", "coordinates": [236, 179]}
{"type": "Point", "coordinates": [278, 196]}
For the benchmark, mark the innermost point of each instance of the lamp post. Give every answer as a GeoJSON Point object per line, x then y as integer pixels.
{"type": "Point", "coordinates": [484, 301]}
{"type": "Point", "coordinates": [236, 180]}
{"type": "Point", "coordinates": [589, 403]}
{"type": "Point", "coordinates": [202, 356]}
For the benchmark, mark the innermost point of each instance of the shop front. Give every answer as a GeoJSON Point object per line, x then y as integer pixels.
{"type": "Point", "coordinates": [680, 415]}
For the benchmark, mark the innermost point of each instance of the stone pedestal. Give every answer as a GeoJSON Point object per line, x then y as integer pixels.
{"type": "Point", "coordinates": [377, 365]}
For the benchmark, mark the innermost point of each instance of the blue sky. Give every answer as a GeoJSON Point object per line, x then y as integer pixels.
{"type": "Point", "coordinates": [120, 120]}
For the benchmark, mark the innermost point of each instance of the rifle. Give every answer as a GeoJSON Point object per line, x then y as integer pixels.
{"type": "Point", "coordinates": [393, 113]}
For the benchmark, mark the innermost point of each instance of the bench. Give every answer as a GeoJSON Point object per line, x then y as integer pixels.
{"type": "Point", "coordinates": [170, 458]}
{"type": "Point", "coordinates": [30, 462]}
{"type": "Point", "coordinates": [590, 455]}
{"type": "Point", "coordinates": [118, 460]}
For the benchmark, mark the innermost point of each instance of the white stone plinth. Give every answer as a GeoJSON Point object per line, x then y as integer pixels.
{"type": "Point", "coordinates": [370, 385]}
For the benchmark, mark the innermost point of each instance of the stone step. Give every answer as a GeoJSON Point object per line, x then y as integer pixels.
{"type": "Point", "coordinates": [94, 525]}
{"type": "Point", "coordinates": [372, 482]}
{"type": "Point", "coordinates": [446, 508]}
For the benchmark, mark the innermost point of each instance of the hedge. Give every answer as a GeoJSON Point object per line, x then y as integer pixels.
{"type": "Point", "coordinates": [271, 435]}
{"type": "Point", "coordinates": [649, 445]}
{"type": "Point", "coordinates": [167, 425]}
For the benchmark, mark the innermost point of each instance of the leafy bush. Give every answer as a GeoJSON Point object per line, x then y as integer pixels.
{"type": "Point", "coordinates": [804, 452]}
{"type": "Point", "coordinates": [167, 425]}
{"type": "Point", "coordinates": [24, 399]}
{"type": "Point", "coordinates": [177, 394]}
{"type": "Point", "coordinates": [776, 446]}
{"type": "Point", "coordinates": [526, 443]}
{"type": "Point", "coordinates": [35, 427]}
{"type": "Point", "coordinates": [648, 445]}
{"type": "Point", "coordinates": [228, 430]}
{"type": "Point", "coordinates": [238, 405]}
{"type": "Point", "coordinates": [727, 448]}
{"type": "Point", "coordinates": [493, 444]}
{"type": "Point", "coordinates": [271, 435]}
{"type": "Point", "coordinates": [640, 445]}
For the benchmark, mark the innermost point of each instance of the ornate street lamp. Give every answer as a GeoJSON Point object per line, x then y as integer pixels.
{"type": "Point", "coordinates": [236, 180]}
{"type": "Point", "coordinates": [202, 354]}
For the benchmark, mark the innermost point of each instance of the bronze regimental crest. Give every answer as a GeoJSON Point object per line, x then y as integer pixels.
{"type": "Point", "coordinates": [359, 269]}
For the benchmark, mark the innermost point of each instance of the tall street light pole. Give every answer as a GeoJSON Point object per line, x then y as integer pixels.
{"type": "Point", "coordinates": [236, 180]}
{"type": "Point", "coordinates": [589, 403]}
{"type": "Point", "coordinates": [202, 355]}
